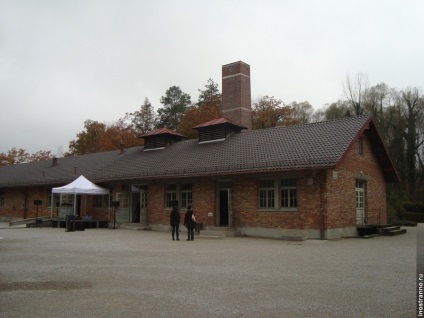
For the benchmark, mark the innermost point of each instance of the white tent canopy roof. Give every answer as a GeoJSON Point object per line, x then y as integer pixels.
{"type": "Point", "coordinates": [81, 186]}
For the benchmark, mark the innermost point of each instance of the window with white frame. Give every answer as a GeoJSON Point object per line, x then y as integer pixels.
{"type": "Point", "coordinates": [66, 199]}
{"type": "Point", "coordinates": [181, 192]}
{"type": "Point", "coordinates": [55, 201]}
{"type": "Point", "coordinates": [288, 193]}
{"type": "Point", "coordinates": [170, 195]}
{"type": "Point", "coordinates": [360, 146]}
{"type": "Point", "coordinates": [100, 201]}
{"type": "Point", "coordinates": [266, 194]}
{"type": "Point", "coordinates": [123, 198]}
{"type": "Point", "coordinates": [186, 195]}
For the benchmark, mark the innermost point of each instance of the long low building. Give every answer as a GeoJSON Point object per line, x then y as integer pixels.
{"type": "Point", "coordinates": [318, 180]}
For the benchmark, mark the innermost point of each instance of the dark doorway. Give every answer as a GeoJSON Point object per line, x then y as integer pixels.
{"type": "Point", "coordinates": [78, 205]}
{"type": "Point", "coordinates": [136, 207]}
{"type": "Point", "coordinates": [223, 207]}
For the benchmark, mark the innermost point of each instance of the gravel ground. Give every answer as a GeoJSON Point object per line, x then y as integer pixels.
{"type": "Point", "coordinates": [122, 273]}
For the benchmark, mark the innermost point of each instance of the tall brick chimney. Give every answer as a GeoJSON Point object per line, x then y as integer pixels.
{"type": "Point", "coordinates": [236, 102]}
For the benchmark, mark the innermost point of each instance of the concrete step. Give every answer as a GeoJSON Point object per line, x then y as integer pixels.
{"type": "Point", "coordinates": [370, 236]}
{"type": "Point", "coordinates": [392, 231]}
{"type": "Point", "coordinates": [220, 231]}
{"type": "Point", "coordinates": [395, 232]}
{"type": "Point", "coordinates": [386, 229]}
{"type": "Point", "coordinates": [208, 236]}
{"type": "Point", "coordinates": [28, 221]}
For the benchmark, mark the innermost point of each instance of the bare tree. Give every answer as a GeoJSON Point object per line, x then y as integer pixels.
{"type": "Point", "coordinates": [355, 91]}
{"type": "Point", "coordinates": [413, 112]}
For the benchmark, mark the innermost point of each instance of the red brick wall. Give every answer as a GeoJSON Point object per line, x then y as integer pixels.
{"type": "Point", "coordinates": [341, 191]}
{"type": "Point", "coordinates": [204, 200]}
{"type": "Point", "coordinates": [19, 203]}
{"type": "Point", "coordinates": [247, 214]}
{"type": "Point", "coordinates": [155, 204]}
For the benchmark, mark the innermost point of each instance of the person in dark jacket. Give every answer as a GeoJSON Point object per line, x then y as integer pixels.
{"type": "Point", "coordinates": [190, 223]}
{"type": "Point", "coordinates": [175, 221]}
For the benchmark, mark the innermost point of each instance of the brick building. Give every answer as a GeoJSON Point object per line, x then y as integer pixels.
{"type": "Point", "coordinates": [318, 180]}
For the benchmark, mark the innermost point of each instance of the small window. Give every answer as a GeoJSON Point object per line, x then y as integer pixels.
{"type": "Point", "coordinates": [2, 199]}
{"type": "Point", "coordinates": [170, 195]}
{"type": "Point", "coordinates": [288, 193]}
{"type": "Point", "coordinates": [266, 194]}
{"type": "Point", "coordinates": [100, 201]}
{"type": "Point", "coordinates": [180, 192]}
{"type": "Point", "coordinates": [186, 195]}
{"type": "Point", "coordinates": [66, 199]}
{"type": "Point", "coordinates": [360, 146]}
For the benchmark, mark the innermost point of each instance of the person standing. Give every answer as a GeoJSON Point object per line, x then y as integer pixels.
{"type": "Point", "coordinates": [190, 223]}
{"type": "Point", "coordinates": [175, 221]}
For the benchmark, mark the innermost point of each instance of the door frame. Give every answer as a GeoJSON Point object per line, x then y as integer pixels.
{"type": "Point", "coordinates": [360, 199]}
{"type": "Point", "coordinates": [224, 186]}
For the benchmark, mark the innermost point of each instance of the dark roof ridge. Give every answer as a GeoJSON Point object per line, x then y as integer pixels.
{"type": "Point", "coordinates": [366, 116]}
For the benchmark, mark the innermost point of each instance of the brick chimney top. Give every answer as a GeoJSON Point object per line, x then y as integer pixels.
{"type": "Point", "coordinates": [236, 101]}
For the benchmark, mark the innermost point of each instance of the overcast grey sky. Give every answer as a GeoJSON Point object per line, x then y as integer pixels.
{"type": "Point", "coordinates": [63, 62]}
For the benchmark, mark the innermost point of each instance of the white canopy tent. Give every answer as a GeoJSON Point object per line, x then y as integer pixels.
{"type": "Point", "coordinates": [81, 185]}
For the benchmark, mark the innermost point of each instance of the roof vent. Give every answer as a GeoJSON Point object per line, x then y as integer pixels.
{"type": "Point", "coordinates": [217, 130]}
{"type": "Point", "coordinates": [54, 162]}
{"type": "Point", "coordinates": [160, 138]}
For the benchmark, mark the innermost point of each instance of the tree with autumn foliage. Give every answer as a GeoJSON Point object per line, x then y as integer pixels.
{"type": "Point", "coordinates": [208, 108]}
{"type": "Point", "coordinates": [16, 156]}
{"type": "Point", "coordinates": [97, 137]}
{"type": "Point", "coordinates": [270, 112]}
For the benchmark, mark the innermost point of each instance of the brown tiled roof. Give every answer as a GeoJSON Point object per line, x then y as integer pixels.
{"type": "Point", "coordinates": [162, 131]}
{"type": "Point", "coordinates": [316, 145]}
{"type": "Point", "coordinates": [218, 121]}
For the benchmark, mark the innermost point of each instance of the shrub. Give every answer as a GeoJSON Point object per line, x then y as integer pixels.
{"type": "Point", "coordinates": [420, 207]}
{"type": "Point", "coordinates": [409, 207]}
{"type": "Point", "coordinates": [413, 216]}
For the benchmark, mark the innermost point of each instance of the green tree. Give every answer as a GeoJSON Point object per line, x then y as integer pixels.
{"type": "Point", "coordinates": [336, 110]}
{"type": "Point", "coordinates": [175, 103]}
{"type": "Point", "coordinates": [144, 119]}
{"type": "Point", "coordinates": [302, 111]}
{"type": "Point", "coordinates": [211, 95]}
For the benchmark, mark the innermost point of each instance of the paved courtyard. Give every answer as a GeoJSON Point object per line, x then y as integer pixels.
{"type": "Point", "coordinates": [122, 273]}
